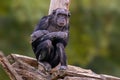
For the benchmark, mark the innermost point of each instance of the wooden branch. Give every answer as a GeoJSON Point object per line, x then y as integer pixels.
{"type": "Point", "coordinates": [29, 60]}
{"type": "Point", "coordinates": [54, 4]}
{"type": "Point", "coordinates": [19, 67]}
{"type": "Point", "coordinates": [8, 68]}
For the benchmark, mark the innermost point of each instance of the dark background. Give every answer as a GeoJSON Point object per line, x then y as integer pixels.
{"type": "Point", "coordinates": [94, 34]}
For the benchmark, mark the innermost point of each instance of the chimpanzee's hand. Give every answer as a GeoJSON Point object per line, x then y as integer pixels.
{"type": "Point", "coordinates": [55, 35]}
{"type": "Point", "coordinates": [47, 36]}
{"type": "Point", "coordinates": [38, 34]}
{"type": "Point", "coordinates": [62, 35]}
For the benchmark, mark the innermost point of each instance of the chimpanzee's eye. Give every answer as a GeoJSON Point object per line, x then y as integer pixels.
{"type": "Point", "coordinates": [58, 15]}
{"type": "Point", "coordinates": [62, 15]}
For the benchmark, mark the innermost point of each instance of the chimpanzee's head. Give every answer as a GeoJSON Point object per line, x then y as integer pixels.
{"type": "Point", "coordinates": [60, 17]}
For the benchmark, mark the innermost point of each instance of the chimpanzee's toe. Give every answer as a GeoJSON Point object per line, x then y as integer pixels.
{"type": "Point", "coordinates": [63, 68]}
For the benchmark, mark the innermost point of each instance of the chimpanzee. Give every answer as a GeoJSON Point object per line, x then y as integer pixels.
{"type": "Point", "coordinates": [50, 38]}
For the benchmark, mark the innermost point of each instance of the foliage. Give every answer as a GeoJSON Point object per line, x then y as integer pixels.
{"type": "Point", "coordinates": [94, 33]}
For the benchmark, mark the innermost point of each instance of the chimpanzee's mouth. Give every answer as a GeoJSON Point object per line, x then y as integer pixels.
{"type": "Point", "coordinates": [61, 24]}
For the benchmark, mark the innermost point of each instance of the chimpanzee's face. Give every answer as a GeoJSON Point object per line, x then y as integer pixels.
{"type": "Point", "coordinates": [61, 17]}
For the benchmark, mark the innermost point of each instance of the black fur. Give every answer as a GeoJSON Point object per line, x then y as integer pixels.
{"type": "Point", "coordinates": [50, 37]}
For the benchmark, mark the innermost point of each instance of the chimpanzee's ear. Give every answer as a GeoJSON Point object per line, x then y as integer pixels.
{"type": "Point", "coordinates": [53, 12]}
{"type": "Point", "coordinates": [69, 14]}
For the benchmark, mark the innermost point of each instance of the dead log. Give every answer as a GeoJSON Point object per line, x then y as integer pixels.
{"type": "Point", "coordinates": [54, 4]}
{"type": "Point", "coordinates": [19, 67]}
{"type": "Point", "coordinates": [8, 68]}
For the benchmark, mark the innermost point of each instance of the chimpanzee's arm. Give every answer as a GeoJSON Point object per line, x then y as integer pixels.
{"type": "Point", "coordinates": [59, 36]}
{"type": "Point", "coordinates": [55, 35]}
{"type": "Point", "coordinates": [40, 28]}
{"type": "Point", "coordinates": [38, 34]}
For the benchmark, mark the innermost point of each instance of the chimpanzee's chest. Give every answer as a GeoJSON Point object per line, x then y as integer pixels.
{"type": "Point", "coordinates": [54, 28]}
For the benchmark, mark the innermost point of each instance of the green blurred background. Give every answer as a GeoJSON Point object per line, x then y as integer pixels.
{"type": "Point", "coordinates": [94, 33]}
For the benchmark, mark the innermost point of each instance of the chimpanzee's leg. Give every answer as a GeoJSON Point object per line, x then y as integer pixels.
{"type": "Point", "coordinates": [43, 53]}
{"type": "Point", "coordinates": [54, 58]}
{"type": "Point", "coordinates": [63, 58]}
{"type": "Point", "coordinates": [43, 50]}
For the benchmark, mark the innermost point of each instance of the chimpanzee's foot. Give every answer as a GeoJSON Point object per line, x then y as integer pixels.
{"type": "Point", "coordinates": [63, 68]}
{"type": "Point", "coordinates": [46, 66]}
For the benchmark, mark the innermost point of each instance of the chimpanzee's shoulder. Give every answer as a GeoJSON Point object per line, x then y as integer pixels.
{"type": "Point", "coordinates": [43, 23]}
{"type": "Point", "coordinates": [44, 17]}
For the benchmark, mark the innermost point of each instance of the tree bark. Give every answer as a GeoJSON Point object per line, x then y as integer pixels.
{"type": "Point", "coordinates": [19, 67]}
{"type": "Point", "coordinates": [54, 4]}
